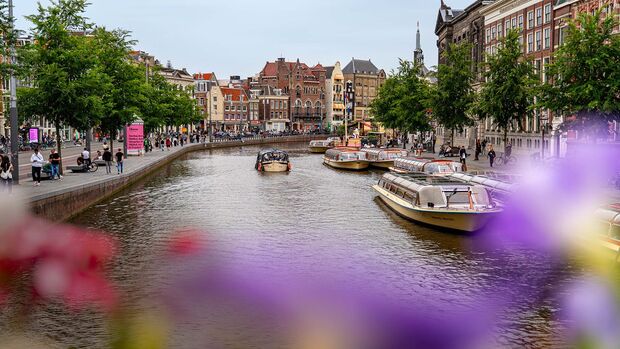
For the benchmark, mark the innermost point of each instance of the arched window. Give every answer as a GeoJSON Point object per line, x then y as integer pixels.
{"type": "Point", "coordinates": [308, 107]}
{"type": "Point", "coordinates": [297, 106]}
{"type": "Point", "coordinates": [317, 108]}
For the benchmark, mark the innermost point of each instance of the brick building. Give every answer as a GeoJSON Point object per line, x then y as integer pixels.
{"type": "Point", "coordinates": [203, 82]}
{"type": "Point", "coordinates": [534, 19]}
{"type": "Point", "coordinates": [305, 87]}
{"type": "Point", "coordinates": [366, 79]}
{"type": "Point", "coordinates": [229, 107]}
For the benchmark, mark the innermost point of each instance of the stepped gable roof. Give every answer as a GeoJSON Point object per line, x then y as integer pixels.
{"type": "Point", "coordinates": [235, 92]}
{"type": "Point", "coordinates": [359, 66]}
{"type": "Point", "coordinates": [318, 67]}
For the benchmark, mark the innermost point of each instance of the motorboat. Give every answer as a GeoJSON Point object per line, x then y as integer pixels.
{"type": "Point", "coordinates": [439, 167]}
{"type": "Point", "coordinates": [383, 157]}
{"type": "Point", "coordinates": [609, 231]}
{"type": "Point", "coordinates": [437, 201]}
{"type": "Point", "coordinates": [272, 160]}
{"type": "Point", "coordinates": [320, 146]}
{"type": "Point", "coordinates": [346, 158]}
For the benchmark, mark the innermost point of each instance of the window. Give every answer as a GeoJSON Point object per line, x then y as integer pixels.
{"type": "Point", "coordinates": [537, 67]}
{"type": "Point", "coordinates": [507, 26]}
{"type": "Point", "coordinates": [227, 108]}
{"type": "Point", "coordinates": [561, 35]}
{"type": "Point", "coordinates": [530, 43]}
{"type": "Point", "coordinates": [514, 22]}
{"type": "Point", "coordinates": [493, 33]}
{"type": "Point", "coordinates": [500, 30]}
{"type": "Point", "coordinates": [530, 20]}
{"type": "Point", "coordinates": [547, 13]}
{"type": "Point", "coordinates": [547, 38]}
{"type": "Point", "coordinates": [546, 69]}
{"type": "Point", "coordinates": [521, 21]}
{"type": "Point", "coordinates": [538, 40]}
{"type": "Point", "coordinates": [539, 18]}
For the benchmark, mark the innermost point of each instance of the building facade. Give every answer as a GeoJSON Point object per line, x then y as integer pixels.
{"type": "Point", "coordinates": [229, 108]}
{"type": "Point", "coordinates": [463, 26]}
{"type": "Point", "coordinates": [334, 101]}
{"type": "Point", "coordinates": [203, 83]}
{"type": "Point", "coordinates": [534, 20]}
{"type": "Point", "coordinates": [366, 79]}
{"type": "Point", "coordinates": [305, 87]}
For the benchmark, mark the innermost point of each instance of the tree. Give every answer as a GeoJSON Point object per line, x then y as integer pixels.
{"type": "Point", "coordinates": [126, 92]}
{"type": "Point", "coordinates": [453, 97]}
{"type": "Point", "coordinates": [508, 95]}
{"type": "Point", "coordinates": [403, 101]}
{"type": "Point", "coordinates": [67, 84]}
{"type": "Point", "coordinates": [585, 75]}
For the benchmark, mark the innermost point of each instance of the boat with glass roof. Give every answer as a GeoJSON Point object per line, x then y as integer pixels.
{"type": "Point", "coordinates": [346, 158]}
{"type": "Point", "coordinates": [383, 157]}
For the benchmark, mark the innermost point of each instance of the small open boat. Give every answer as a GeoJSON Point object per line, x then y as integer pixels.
{"type": "Point", "coordinates": [272, 160]}
{"type": "Point", "coordinates": [437, 201]}
{"type": "Point", "coordinates": [383, 157]}
{"type": "Point", "coordinates": [346, 159]}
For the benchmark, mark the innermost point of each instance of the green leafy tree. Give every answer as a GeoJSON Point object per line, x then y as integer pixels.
{"type": "Point", "coordinates": [453, 96]}
{"type": "Point", "coordinates": [126, 93]}
{"type": "Point", "coordinates": [508, 95]}
{"type": "Point", "coordinates": [403, 101]}
{"type": "Point", "coordinates": [68, 85]}
{"type": "Point", "coordinates": [585, 75]}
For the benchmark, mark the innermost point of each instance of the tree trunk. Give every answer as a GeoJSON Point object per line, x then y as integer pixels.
{"type": "Point", "coordinates": [505, 138]}
{"type": "Point", "coordinates": [59, 146]}
{"type": "Point", "coordinates": [452, 139]}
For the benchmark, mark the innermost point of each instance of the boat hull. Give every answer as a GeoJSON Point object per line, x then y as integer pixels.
{"type": "Point", "coordinates": [318, 149]}
{"type": "Point", "coordinates": [462, 221]}
{"type": "Point", "coordinates": [275, 167]}
{"type": "Point", "coordinates": [383, 164]}
{"type": "Point", "coordinates": [354, 165]}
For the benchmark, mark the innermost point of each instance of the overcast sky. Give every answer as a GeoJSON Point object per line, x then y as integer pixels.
{"type": "Point", "coordinates": [237, 37]}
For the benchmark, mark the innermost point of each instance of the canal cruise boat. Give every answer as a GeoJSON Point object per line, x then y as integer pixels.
{"type": "Point", "coordinates": [320, 146]}
{"type": "Point", "coordinates": [272, 160]}
{"type": "Point", "coordinates": [383, 157]}
{"type": "Point", "coordinates": [437, 201]}
{"type": "Point", "coordinates": [346, 158]}
{"type": "Point", "coordinates": [427, 166]}
{"type": "Point", "coordinates": [499, 189]}
{"type": "Point", "coordinates": [609, 231]}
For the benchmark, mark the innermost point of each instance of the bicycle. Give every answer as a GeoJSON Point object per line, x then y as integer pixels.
{"type": "Point", "coordinates": [90, 167]}
{"type": "Point", "coordinates": [502, 159]}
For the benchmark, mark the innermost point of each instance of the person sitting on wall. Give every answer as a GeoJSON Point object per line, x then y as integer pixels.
{"type": "Point", "coordinates": [80, 160]}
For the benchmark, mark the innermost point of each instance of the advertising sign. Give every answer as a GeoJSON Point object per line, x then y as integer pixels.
{"type": "Point", "coordinates": [33, 135]}
{"type": "Point", "coordinates": [135, 139]}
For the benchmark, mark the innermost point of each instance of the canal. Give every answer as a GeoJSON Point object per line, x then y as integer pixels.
{"type": "Point", "coordinates": [220, 193]}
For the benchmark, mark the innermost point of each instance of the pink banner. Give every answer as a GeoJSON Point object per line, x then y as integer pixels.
{"type": "Point", "coordinates": [33, 135]}
{"type": "Point", "coordinates": [135, 138]}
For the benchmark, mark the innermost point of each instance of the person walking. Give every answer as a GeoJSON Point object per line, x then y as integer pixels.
{"type": "Point", "coordinates": [168, 143]}
{"type": "Point", "coordinates": [107, 157]}
{"type": "Point", "coordinates": [478, 149]}
{"type": "Point", "coordinates": [119, 161]}
{"type": "Point", "coordinates": [463, 157]}
{"type": "Point", "coordinates": [54, 160]}
{"type": "Point", "coordinates": [6, 172]}
{"type": "Point", "coordinates": [491, 154]}
{"type": "Point", "coordinates": [37, 164]}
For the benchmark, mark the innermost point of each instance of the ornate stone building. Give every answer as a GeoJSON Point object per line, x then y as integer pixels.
{"type": "Point", "coordinates": [334, 87]}
{"type": "Point", "coordinates": [305, 87]}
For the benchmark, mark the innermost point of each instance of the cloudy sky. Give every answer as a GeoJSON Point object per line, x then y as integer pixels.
{"type": "Point", "coordinates": [237, 37]}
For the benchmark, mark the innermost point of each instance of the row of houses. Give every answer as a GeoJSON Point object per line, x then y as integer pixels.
{"type": "Point", "coordinates": [543, 25]}
{"type": "Point", "coordinates": [289, 95]}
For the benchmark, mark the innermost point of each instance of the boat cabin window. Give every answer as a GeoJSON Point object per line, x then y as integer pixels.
{"type": "Point", "coordinates": [615, 232]}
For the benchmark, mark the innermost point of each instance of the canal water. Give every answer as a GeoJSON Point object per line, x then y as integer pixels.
{"type": "Point", "coordinates": [220, 193]}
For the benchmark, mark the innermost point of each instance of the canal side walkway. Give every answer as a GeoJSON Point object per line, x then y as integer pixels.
{"type": "Point", "coordinates": [61, 199]}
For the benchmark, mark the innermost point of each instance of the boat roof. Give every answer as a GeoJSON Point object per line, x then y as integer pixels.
{"type": "Point", "coordinates": [339, 150]}
{"type": "Point", "coordinates": [382, 150]}
{"type": "Point", "coordinates": [267, 151]}
{"type": "Point", "coordinates": [422, 179]}
{"type": "Point", "coordinates": [485, 181]}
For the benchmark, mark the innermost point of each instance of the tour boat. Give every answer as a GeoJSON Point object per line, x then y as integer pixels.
{"type": "Point", "coordinates": [272, 160]}
{"type": "Point", "coordinates": [346, 159]}
{"type": "Point", "coordinates": [427, 166]}
{"type": "Point", "coordinates": [499, 189]}
{"type": "Point", "coordinates": [321, 146]}
{"type": "Point", "coordinates": [437, 201]}
{"type": "Point", "coordinates": [610, 229]}
{"type": "Point", "coordinates": [382, 157]}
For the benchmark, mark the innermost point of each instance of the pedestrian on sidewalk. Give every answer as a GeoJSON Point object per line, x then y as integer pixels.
{"type": "Point", "coordinates": [491, 155]}
{"type": "Point", "coordinates": [37, 164]}
{"type": "Point", "coordinates": [119, 161]}
{"type": "Point", "coordinates": [107, 157]}
{"type": "Point", "coordinates": [463, 157]}
{"type": "Point", "coordinates": [478, 149]}
{"type": "Point", "coordinates": [54, 160]}
{"type": "Point", "coordinates": [6, 172]}
{"type": "Point", "coordinates": [484, 147]}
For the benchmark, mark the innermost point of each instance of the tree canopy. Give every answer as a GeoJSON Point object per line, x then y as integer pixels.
{"type": "Point", "coordinates": [584, 77]}
{"type": "Point", "coordinates": [403, 101]}
{"type": "Point", "coordinates": [507, 97]}
{"type": "Point", "coordinates": [453, 96]}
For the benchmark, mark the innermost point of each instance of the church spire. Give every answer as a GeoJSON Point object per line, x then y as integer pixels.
{"type": "Point", "coordinates": [418, 54]}
{"type": "Point", "coordinates": [418, 45]}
